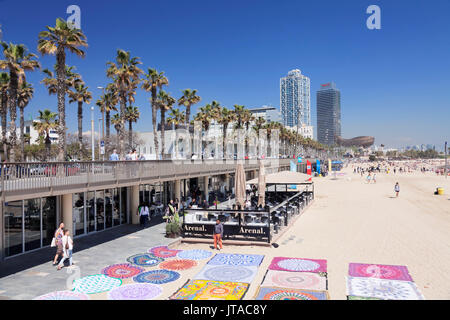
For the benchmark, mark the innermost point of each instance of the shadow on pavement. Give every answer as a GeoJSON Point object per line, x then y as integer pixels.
{"type": "Point", "coordinates": [32, 259]}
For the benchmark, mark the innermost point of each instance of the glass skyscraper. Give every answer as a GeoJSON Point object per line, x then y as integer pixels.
{"type": "Point", "coordinates": [328, 114]}
{"type": "Point", "coordinates": [295, 99]}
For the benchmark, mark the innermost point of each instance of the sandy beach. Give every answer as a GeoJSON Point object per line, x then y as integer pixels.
{"type": "Point", "coordinates": [352, 221]}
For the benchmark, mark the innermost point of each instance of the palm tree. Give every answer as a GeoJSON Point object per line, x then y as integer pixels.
{"type": "Point", "coordinates": [227, 116]}
{"type": "Point", "coordinates": [259, 124]}
{"type": "Point", "coordinates": [131, 115]}
{"type": "Point", "coordinates": [205, 116]}
{"type": "Point", "coordinates": [154, 80]}
{"type": "Point", "coordinates": [188, 99]}
{"type": "Point", "coordinates": [239, 114]}
{"type": "Point", "coordinates": [56, 40]}
{"type": "Point", "coordinates": [125, 74]}
{"type": "Point", "coordinates": [47, 121]}
{"type": "Point", "coordinates": [116, 122]}
{"type": "Point", "coordinates": [4, 84]}
{"type": "Point", "coordinates": [24, 95]}
{"type": "Point", "coordinates": [107, 103]}
{"type": "Point", "coordinates": [176, 118]}
{"type": "Point", "coordinates": [17, 61]}
{"type": "Point", "coordinates": [165, 103]}
{"type": "Point", "coordinates": [247, 119]}
{"type": "Point", "coordinates": [80, 95]}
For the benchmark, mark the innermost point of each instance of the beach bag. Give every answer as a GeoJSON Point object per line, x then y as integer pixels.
{"type": "Point", "coordinates": [53, 244]}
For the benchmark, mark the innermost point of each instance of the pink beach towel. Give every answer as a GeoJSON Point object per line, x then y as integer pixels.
{"type": "Point", "coordinates": [379, 271]}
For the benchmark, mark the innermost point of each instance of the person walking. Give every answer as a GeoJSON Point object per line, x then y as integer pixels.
{"type": "Point", "coordinates": [144, 215]}
{"type": "Point", "coordinates": [218, 234]}
{"type": "Point", "coordinates": [374, 178]}
{"type": "Point", "coordinates": [114, 156]}
{"type": "Point", "coordinates": [57, 241]}
{"type": "Point", "coordinates": [67, 248]}
{"type": "Point", "coordinates": [397, 189]}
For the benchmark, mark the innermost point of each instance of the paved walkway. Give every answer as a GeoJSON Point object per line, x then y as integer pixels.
{"type": "Point", "coordinates": [31, 275]}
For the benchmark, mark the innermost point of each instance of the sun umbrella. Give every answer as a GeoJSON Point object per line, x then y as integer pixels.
{"type": "Point", "coordinates": [239, 185]}
{"type": "Point", "coordinates": [262, 185]}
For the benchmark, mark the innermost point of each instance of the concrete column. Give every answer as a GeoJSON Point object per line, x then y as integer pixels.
{"type": "Point", "coordinates": [178, 189]}
{"type": "Point", "coordinates": [255, 174]}
{"type": "Point", "coordinates": [206, 184]}
{"type": "Point", "coordinates": [134, 204]}
{"type": "Point", "coordinates": [2, 219]}
{"type": "Point", "coordinates": [66, 212]}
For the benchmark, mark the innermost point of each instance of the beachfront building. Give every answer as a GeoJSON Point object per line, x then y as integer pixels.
{"type": "Point", "coordinates": [268, 113]}
{"type": "Point", "coordinates": [295, 100]}
{"type": "Point", "coordinates": [303, 130]}
{"type": "Point", "coordinates": [328, 114]}
{"type": "Point", "coordinates": [32, 132]}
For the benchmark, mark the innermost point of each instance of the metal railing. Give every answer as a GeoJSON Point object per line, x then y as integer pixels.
{"type": "Point", "coordinates": [19, 179]}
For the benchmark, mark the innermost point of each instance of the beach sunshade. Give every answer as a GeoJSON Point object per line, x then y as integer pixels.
{"type": "Point", "coordinates": [239, 185]}
{"type": "Point", "coordinates": [262, 185]}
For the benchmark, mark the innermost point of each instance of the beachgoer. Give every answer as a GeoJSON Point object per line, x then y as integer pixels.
{"type": "Point", "coordinates": [144, 215]}
{"type": "Point", "coordinates": [218, 234]}
{"type": "Point", "coordinates": [134, 156]}
{"type": "Point", "coordinates": [67, 248]}
{"type": "Point", "coordinates": [59, 233]}
{"type": "Point", "coordinates": [374, 178]}
{"type": "Point", "coordinates": [114, 156]}
{"type": "Point", "coordinates": [397, 189]}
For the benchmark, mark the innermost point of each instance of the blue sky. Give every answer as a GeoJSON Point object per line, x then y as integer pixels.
{"type": "Point", "coordinates": [394, 82]}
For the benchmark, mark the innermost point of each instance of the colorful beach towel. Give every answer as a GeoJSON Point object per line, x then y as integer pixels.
{"type": "Point", "coordinates": [96, 283]}
{"type": "Point", "coordinates": [178, 264]}
{"type": "Point", "coordinates": [295, 280]}
{"type": "Point", "coordinates": [211, 290]}
{"type": "Point", "coordinates": [135, 291]}
{"type": "Point", "coordinates": [383, 289]}
{"type": "Point", "coordinates": [361, 298]}
{"type": "Point", "coordinates": [63, 295]}
{"type": "Point", "coordinates": [122, 271]}
{"type": "Point", "coordinates": [145, 260]}
{"type": "Point", "coordinates": [227, 273]}
{"type": "Point", "coordinates": [163, 252]}
{"type": "Point", "coordinates": [236, 259]}
{"type": "Point", "coordinates": [298, 265]}
{"type": "Point", "coordinates": [157, 276]}
{"type": "Point", "coordinates": [274, 293]}
{"type": "Point", "coordinates": [196, 254]}
{"type": "Point", "coordinates": [379, 271]}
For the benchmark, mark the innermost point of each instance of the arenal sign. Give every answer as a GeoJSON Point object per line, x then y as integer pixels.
{"type": "Point", "coordinates": [230, 230]}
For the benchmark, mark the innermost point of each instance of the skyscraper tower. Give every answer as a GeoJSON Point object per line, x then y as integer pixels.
{"type": "Point", "coordinates": [295, 99]}
{"type": "Point", "coordinates": [328, 114]}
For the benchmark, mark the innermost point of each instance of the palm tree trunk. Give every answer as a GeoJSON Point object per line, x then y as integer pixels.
{"type": "Point", "coordinates": [188, 114]}
{"type": "Point", "coordinates": [154, 115]}
{"type": "Point", "coordinates": [130, 134]}
{"type": "Point", "coordinates": [163, 122]}
{"type": "Point", "coordinates": [123, 103]}
{"type": "Point", "coordinates": [22, 134]}
{"type": "Point", "coordinates": [80, 127]}
{"type": "Point", "coordinates": [13, 85]}
{"type": "Point", "coordinates": [61, 91]}
{"type": "Point", "coordinates": [108, 132]}
{"type": "Point", "coordinates": [224, 128]}
{"type": "Point", "coordinates": [4, 114]}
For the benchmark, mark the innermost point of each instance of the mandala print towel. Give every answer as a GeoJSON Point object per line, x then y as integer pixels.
{"type": "Point", "coordinates": [95, 284]}
{"type": "Point", "coordinates": [211, 290]}
{"type": "Point", "coordinates": [145, 260]}
{"type": "Point", "coordinates": [195, 254]}
{"type": "Point", "coordinates": [63, 295]}
{"type": "Point", "coordinates": [295, 280]}
{"type": "Point", "coordinates": [227, 273]}
{"type": "Point", "coordinates": [236, 259]}
{"type": "Point", "coordinates": [273, 293]}
{"type": "Point", "coordinates": [383, 289]}
{"type": "Point", "coordinates": [136, 291]}
{"type": "Point", "coordinates": [379, 271]}
{"type": "Point", "coordinates": [298, 265]}
{"type": "Point", "coordinates": [163, 252]}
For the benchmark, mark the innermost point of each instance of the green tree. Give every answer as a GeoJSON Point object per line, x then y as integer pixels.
{"type": "Point", "coordinates": [55, 41]}
{"type": "Point", "coordinates": [24, 95]}
{"type": "Point", "coordinates": [46, 122]}
{"type": "Point", "coordinates": [131, 115]}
